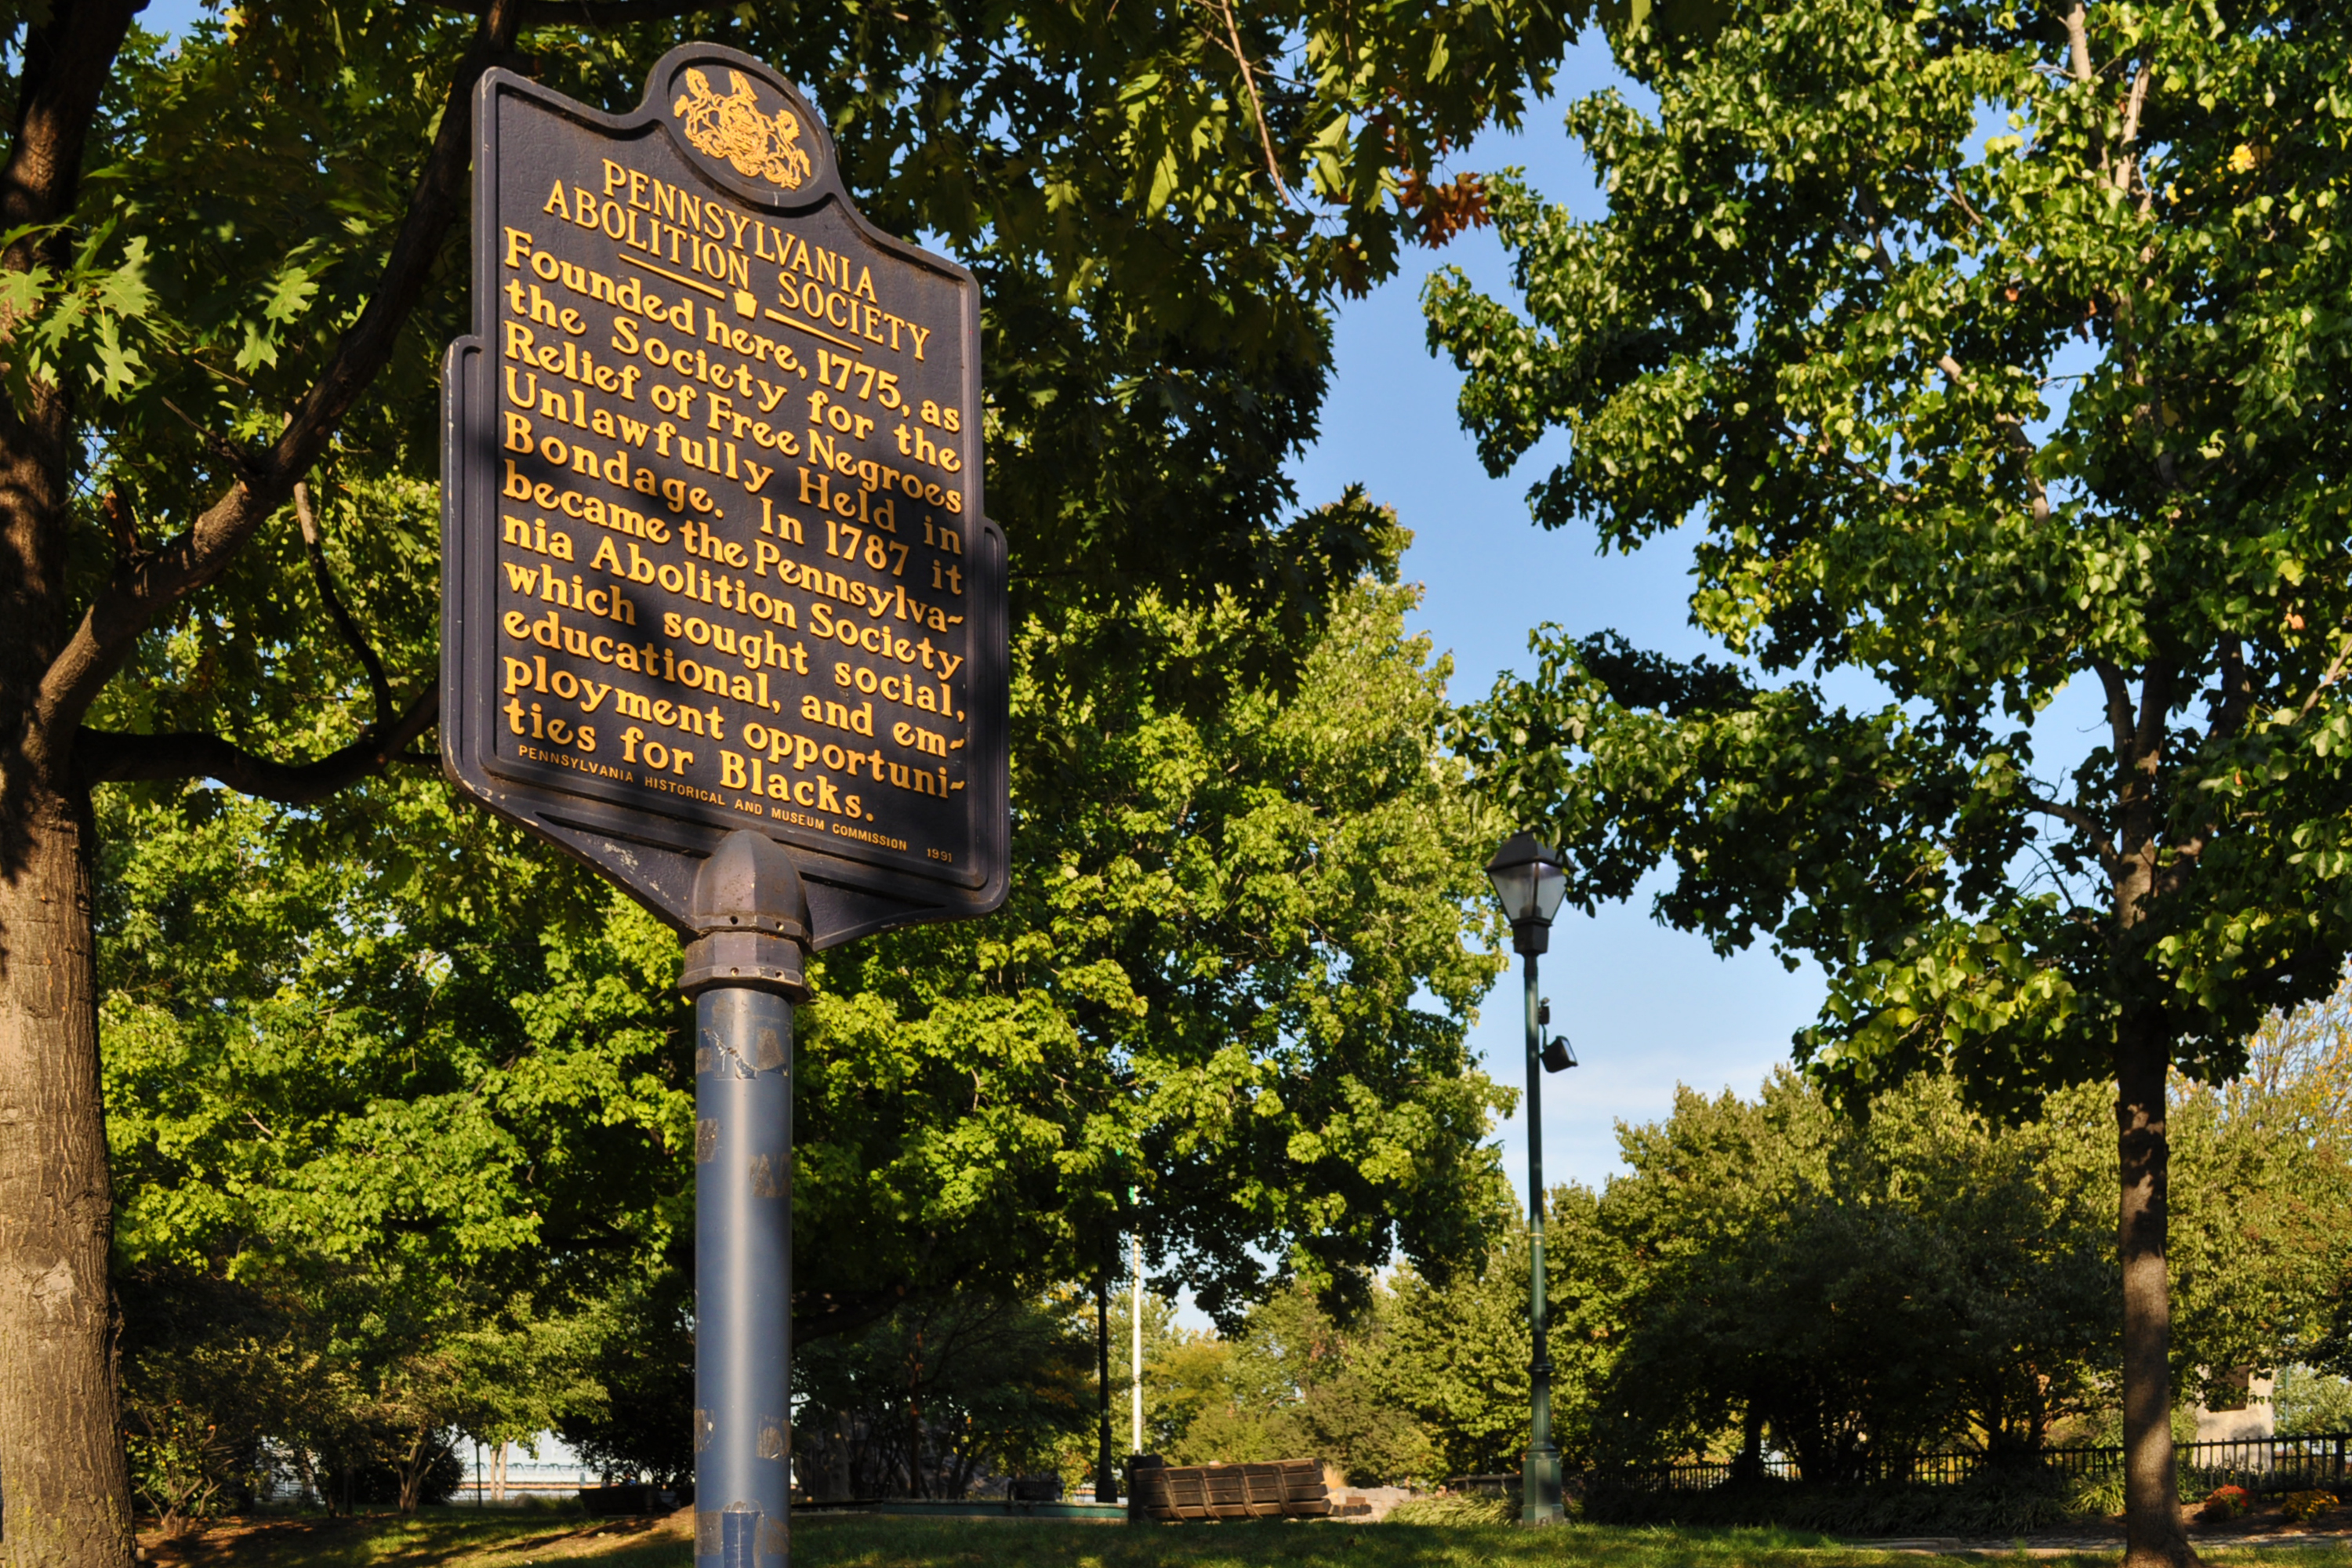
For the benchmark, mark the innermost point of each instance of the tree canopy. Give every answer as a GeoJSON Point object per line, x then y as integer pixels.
{"type": "Point", "coordinates": [228, 263]}
{"type": "Point", "coordinates": [441, 1159]}
{"type": "Point", "coordinates": [1960, 419]}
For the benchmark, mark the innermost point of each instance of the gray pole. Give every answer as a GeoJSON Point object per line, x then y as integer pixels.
{"type": "Point", "coordinates": [743, 971]}
{"type": "Point", "coordinates": [1539, 1482]}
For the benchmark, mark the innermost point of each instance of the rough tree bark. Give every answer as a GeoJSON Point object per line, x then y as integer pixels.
{"type": "Point", "coordinates": [63, 1481]}
{"type": "Point", "coordinates": [2152, 1531]}
{"type": "Point", "coordinates": [2151, 1502]}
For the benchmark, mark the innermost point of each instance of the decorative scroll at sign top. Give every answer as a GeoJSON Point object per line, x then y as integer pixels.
{"type": "Point", "coordinates": [713, 543]}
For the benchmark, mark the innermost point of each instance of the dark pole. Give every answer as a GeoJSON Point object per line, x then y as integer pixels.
{"type": "Point", "coordinates": [743, 971]}
{"type": "Point", "coordinates": [1106, 1474]}
{"type": "Point", "coordinates": [1539, 1482]}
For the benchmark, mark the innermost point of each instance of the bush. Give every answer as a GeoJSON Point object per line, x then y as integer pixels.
{"type": "Point", "coordinates": [2227, 1502]}
{"type": "Point", "coordinates": [1468, 1508]}
{"type": "Point", "coordinates": [2305, 1507]}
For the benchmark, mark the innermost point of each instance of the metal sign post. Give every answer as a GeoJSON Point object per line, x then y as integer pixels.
{"type": "Point", "coordinates": [744, 973]}
{"type": "Point", "coordinates": [722, 614]}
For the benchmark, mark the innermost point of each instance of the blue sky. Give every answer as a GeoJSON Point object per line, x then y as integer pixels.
{"type": "Point", "coordinates": [1646, 1007]}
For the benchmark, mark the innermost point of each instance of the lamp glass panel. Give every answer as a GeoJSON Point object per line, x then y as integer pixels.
{"type": "Point", "coordinates": [1514, 889]}
{"type": "Point", "coordinates": [1550, 886]}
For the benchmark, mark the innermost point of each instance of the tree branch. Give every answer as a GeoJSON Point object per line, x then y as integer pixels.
{"type": "Point", "coordinates": [108, 756]}
{"type": "Point", "coordinates": [2119, 707]}
{"type": "Point", "coordinates": [1830, 449]}
{"type": "Point", "coordinates": [2237, 701]}
{"type": "Point", "coordinates": [2328, 677]}
{"type": "Point", "coordinates": [2078, 42]}
{"type": "Point", "coordinates": [1257, 104]}
{"type": "Point", "coordinates": [378, 683]}
{"type": "Point", "coordinates": [2012, 432]}
{"type": "Point", "coordinates": [2137, 101]}
{"type": "Point", "coordinates": [2155, 703]}
{"type": "Point", "coordinates": [2081, 821]}
{"type": "Point", "coordinates": [124, 525]}
{"type": "Point", "coordinates": [127, 606]}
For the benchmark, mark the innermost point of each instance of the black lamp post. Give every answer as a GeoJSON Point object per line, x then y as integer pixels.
{"type": "Point", "coordinates": [1529, 883]}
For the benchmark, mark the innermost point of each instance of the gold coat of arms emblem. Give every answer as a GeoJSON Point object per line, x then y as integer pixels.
{"type": "Point", "coordinates": [731, 128]}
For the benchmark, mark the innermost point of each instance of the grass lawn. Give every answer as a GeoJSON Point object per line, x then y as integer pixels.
{"type": "Point", "coordinates": [463, 1537]}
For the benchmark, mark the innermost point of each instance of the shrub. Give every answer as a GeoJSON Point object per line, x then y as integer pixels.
{"type": "Point", "coordinates": [2227, 1502]}
{"type": "Point", "coordinates": [1463, 1510]}
{"type": "Point", "coordinates": [2305, 1507]}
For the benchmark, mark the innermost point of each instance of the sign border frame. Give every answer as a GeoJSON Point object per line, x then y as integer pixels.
{"type": "Point", "coordinates": [653, 854]}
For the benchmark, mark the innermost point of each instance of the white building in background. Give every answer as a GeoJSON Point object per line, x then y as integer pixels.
{"type": "Point", "coordinates": [505, 1473]}
{"type": "Point", "coordinates": [2249, 1414]}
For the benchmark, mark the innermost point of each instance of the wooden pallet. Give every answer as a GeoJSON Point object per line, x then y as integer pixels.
{"type": "Point", "coordinates": [1288, 1489]}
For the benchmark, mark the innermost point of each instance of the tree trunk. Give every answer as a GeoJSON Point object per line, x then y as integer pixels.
{"type": "Point", "coordinates": [63, 1481]}
{"type": "Point", "coordinates": [1105, 1484]}
{"type": "Point", "coordinates": [2152, 1531]}
{"type": "Point", "coordinates": [423, 1455]}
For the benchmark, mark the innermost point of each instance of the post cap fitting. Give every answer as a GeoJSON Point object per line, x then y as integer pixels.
{"type": "Point", "coordinates": [750, 918]}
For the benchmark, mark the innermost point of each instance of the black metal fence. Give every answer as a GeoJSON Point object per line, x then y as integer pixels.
{"type": "Point", "coordinates": [2309, 1462]}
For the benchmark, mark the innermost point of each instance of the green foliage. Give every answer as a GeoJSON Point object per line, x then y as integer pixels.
{"type": "Point", "coordinates": [1916, 1281]}
{"type": "Point", "coordinates": [391, 1188]}
{"type": "Point", "coordinates": [1208, 983]}
{"type": "Point", "coordinates": [2308, 1401]}
{"type": "Point", "coordinates": [1957, 426]}
{"type": "Point", "coordinates": [2262, 1246]}
{"type": "Point", "coordinates": [1459, 1354]}
{"type": "Point", "coordinates": [457, 1133]}
{"type": "Point", "coordinates": [643, 1362]}
{"type": "Point", "coordinates": [1291, 1383]}
{"type": "Point", "coordinates": [1158, 211]}
{"type": "Point", "coordinates": [938, 1393]}
{"type": "Point", "coordinates": [1971, 425]}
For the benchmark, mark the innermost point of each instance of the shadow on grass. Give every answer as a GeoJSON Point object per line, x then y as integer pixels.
{"type": "Point", "coordinates": [427, 1539]}
{"type": "Point", "coordinates": [463, 1539]}
{"type": "Point", "coordinates": [850, 1543]}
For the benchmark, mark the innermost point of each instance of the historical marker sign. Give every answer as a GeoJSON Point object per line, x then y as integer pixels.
{"type": "Point", "coordinates": [713, 544]}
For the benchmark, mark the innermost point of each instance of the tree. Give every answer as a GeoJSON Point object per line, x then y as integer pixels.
{"type": "Point", "coordinates": [1457, 1350]}
{"type": "Point", "coordinates": [1856, 1293]}
{"type": "Point", "coordinates": [1233, 894]}
{"type": "Point", "coordinates": [941, 1394]}
{"type": "Point", "coordinates": [473, 1101]}
{"type": "Point", "coordinates": [1961, 422]}
{"type": "Point", "coordinates": [2264, 1208]}
{"type": "Point", "coordinates": [1293, 1382]}
{"type": "Point", "coordinates": [227, 269]}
